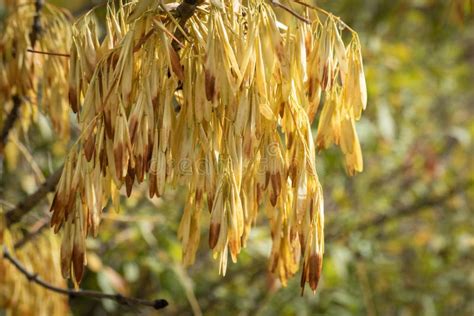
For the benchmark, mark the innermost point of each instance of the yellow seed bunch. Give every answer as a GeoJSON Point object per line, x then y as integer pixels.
{"type": "Point", "coordinates": [38, 80]}
{"type": "Point", "coordinates": [18, 296]}
{"type": "Point", "coordinates": [226, 112]}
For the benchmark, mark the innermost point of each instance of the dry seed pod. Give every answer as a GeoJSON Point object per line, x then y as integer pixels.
{"type": "Point", "coordinates": [38, 81]}
{"type": "Point", "coordinates": [17, 295]}
{"type": "Point", "coordinates": [355, 90]}
{"type": "Point", "coordinates": [227, 115]}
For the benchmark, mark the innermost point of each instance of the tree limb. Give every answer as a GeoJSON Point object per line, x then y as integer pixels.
{"type": "Point", "coordinates": [28, 236]}
{"type": "Point", "coordinates": [10, 122]}
{"type": "Point", "coordinates": [184, 12]}
{"type": "Point", "coordinates": [13, 216]}
{"type": "Point", "coordinates": [404, 210]}
{"type": "Point", "coordinates": [36, 28]}
{"type": "Point", "coordinates": [124, 300]}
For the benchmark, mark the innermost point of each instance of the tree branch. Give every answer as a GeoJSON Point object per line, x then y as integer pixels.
{"type": "Point", "coordinates": [13, 115]}
{"type": "Point", "coordinates": [129, 301]}
{"type": "Point", "coordinates": [9, 122]}
{"type": "Point", "coordinates": [29, 50]}
{"type": "Point", "coordinates": [13, 216]}
{"type": "Point", "coordinates": [402, 211]}
{"type": "Point", "coordinates": [28, 236]}
{"type": "Point", "coordinates": [36, 28]}
{"type": "Point", "coordinates": [278, 4]}
{"type": "Point", "coordinates": [184, 12]}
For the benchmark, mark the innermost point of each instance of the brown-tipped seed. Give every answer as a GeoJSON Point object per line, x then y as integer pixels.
{"type": "Point", "coordinates": [103, 159]}
{"type": "Point", "coordinates": [267, 180]}
{"type": "Point", "coordinates": [315, 266]}
{"type": "Point", "coordinates": [66, 253]}
{"type": "Point", "coordinates": [109, 131]}
{"type": "Point", "coordinates": [129, 179]}
{"type": "Point", "coordinates": [140, 168]}
{"type": "Point", "coordinates": [152, 185]}
{"type": "Point", "coordinates": [198, 196]}
{"type": "Point", "coordinates": [78, 262]}
{"type": "Point", "coordinates": [276, 183]}
{"type": "Point", "coordinates": [133, 125]}
{"type": "Point", "coordinates": [72, 96]}
{"type": "Point", "coordinates": [273, 198]}
{"type": "Point", "coordinates": [311, 209]}
{"type": "Point", "coordinates": [89, 147]}
{"type": "Point", "coordinates": [118, 159]}
{"type": "Point", "coordinates": [175, 64]}
{"type": "Point", "coordinates": [214, 231]}
{"type": "Point", "coordinates": [210, 201]}
{"type": "Point", "coordinates": [210, 82]}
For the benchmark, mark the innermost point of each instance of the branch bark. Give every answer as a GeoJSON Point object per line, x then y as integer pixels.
{"type": "Point", "coordinates": [36, 30]}
{"type": "Point", "coordinates": [10, 122]}
{"type": "Point", "coordinates": [24, 207]}
{"type": "Point", "coordinates": [124, 300]}
{"type": "Point", "coordinates": [27, 237]}
{"type": "Point", "coordinates": [34, 51]}
{"type": "Point", "coordinates": [184, 12]}
{"type": "Point", "coordinates": [404, 210]}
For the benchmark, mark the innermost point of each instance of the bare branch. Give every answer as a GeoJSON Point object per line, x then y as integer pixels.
{"type": "Point", "coordinates": [13, 115]}
{"type": "Point", "coordinates": [44, 223]}
{"type": "Point", "coordinates": [404, 210]}
{"type": "Point", "coordinates": [124, 300]}
{"type": "Point", "coordinates": [278, 4]}
{"type": "Point", "coordinates": [13, 216]}
{"type": "Point", "coordinates": [9, 122]}
{"type": "Point", "coordinates": [184, 12]}
{"type": "Point", "coordinates": [36, 28]}
{"type": "Point", "coordinates": [29, 50]}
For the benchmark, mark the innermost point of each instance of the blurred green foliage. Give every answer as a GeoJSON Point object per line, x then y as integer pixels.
{"type": "Point", "coordinates": [397, 243]}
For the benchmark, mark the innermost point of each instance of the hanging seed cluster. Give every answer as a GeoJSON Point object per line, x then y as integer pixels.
{"type": "Point", "coordinates": [18, 295]}
{"type": "Point", "coordinates": [226, 112]}
{"type": "Point", "coordinates": [38, 81]}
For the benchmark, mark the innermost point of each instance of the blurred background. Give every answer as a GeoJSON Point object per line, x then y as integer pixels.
{"type": "Point", "coordinates": [399, 236]}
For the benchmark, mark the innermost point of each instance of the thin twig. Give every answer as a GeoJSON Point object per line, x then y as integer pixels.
{"type": "Point", "coordinates": [32, 235]}
{"type": "Point", "coordinates": [278, 4]}
{"type": "Point", "coordinates": [164, 29]}
{"type": "Point", "coordinates": [30, 50]}
{"type": "Point", "coordinates": [142, 40]}
{"type": "Point", "coordinates": [124, 300]}
{"type": "Point", "coordinates": [10, 122]}
{"type": "Point", "coordinates": [182, 12]}
{"type": "Point", "coordinates": [30, 159]}
{"type": "Point", "coordinates": [13, 216]}
{"type": "Point", "coordinates": [307, 5]}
